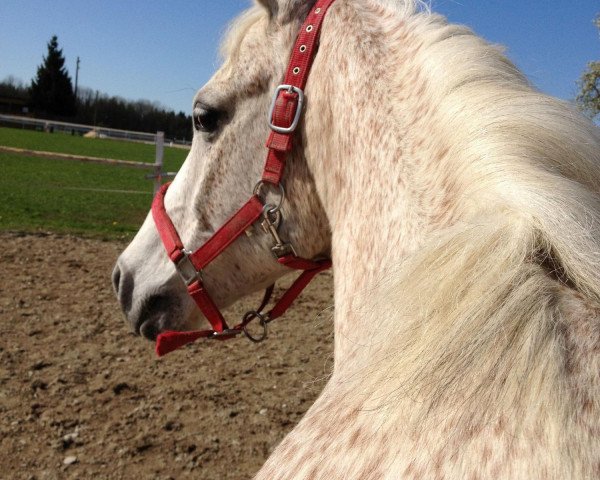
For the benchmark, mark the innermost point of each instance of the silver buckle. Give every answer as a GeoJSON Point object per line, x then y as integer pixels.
{"type": "Point", "coordinates": [186, 269]}
{"type": "Point", "coordinates": [294, 125]}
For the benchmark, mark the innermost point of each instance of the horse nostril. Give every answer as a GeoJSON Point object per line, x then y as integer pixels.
{"type": "Point", "coordinates": [123, 285]}
{"type": "Point", "coordinates": [116, 278]}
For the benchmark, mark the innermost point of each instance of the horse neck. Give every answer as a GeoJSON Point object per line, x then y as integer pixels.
{"type": "Point", "coordinates": [402, 142]}
{"type": "Point", "coordinates": [375, 164]}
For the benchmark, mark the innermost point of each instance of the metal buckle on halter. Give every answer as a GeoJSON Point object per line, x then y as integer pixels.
{"type": "Point", "coordinates": [186, 269]}
{"type": "Point", "coordinates": [294, 125]}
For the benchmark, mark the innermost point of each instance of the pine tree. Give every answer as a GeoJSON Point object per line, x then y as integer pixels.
{"type": "Point", "coordinates": [51, 89]}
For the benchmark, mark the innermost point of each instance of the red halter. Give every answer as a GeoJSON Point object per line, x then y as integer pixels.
{"type": "Point", "coordinates": [284, 116]}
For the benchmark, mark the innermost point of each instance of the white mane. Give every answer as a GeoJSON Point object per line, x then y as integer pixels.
{"type": "Point", "coordinates": [478, 302]}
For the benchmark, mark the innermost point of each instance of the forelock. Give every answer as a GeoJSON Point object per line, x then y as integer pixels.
{"type": "Point", "coordinates": [238, 29]}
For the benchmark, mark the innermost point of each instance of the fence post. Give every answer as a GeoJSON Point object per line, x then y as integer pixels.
{"type": "Point", "coordinates": [158, 162]}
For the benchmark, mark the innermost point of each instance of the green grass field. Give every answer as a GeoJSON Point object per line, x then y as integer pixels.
{"type": "Point", "coordinates": [72, 197]}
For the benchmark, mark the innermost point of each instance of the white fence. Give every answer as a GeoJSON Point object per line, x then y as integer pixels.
{"type": "Point", "coordinates": [53, 125]}
{"type": "Point", "coordinates": [157, 139]}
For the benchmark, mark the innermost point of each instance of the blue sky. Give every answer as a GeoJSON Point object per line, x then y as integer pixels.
{"type": "Point", "coordinates": [165, 50]}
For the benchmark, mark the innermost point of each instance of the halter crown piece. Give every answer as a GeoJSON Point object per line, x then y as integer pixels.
{"type": "Point", "coordinates": [284, 115]}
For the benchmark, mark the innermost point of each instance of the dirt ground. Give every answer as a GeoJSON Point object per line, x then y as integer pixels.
{"type": "Point", "coordinates": [82, 398]}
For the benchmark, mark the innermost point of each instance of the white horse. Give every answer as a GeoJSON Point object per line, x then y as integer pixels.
{"type": "Point", "coordinates": [460, 208]}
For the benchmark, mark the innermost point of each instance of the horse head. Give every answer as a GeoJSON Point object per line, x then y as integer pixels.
{"type": "Point", "coordinates": [220, 173]}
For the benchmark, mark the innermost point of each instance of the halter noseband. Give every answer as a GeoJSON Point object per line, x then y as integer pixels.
{"type": "Point", "coordinates": [284, 116]}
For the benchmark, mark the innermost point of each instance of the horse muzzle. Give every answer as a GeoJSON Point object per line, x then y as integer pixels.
{"type": "Point", "coordinates": [148, 309]}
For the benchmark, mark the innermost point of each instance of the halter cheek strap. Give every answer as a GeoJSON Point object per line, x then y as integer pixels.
{"type": "Point", "coordinates": [284, 115]}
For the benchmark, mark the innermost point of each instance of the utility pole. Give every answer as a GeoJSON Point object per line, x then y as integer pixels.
{"type": "Point", "coordinates": [76, 76]}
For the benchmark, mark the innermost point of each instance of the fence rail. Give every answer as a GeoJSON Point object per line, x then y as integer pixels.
{"type": "Point", "coordinates": [76, 127]}
{"type": "Point", "coordinates": [77, 158]}
{"type": "Point", "coordinates": [157, 139]}
{"type": "Point", "coordinates": [115, 133]}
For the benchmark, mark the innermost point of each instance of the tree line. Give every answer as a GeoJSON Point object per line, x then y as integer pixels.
{"type": "Point", "coordinates": [51, 96]}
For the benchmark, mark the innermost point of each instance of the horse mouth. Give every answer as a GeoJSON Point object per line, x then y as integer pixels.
{"type": "Point", "coordinates": [155, 317]}
{"type": "Point", "coordinates": [149, 330]}
{"type": "Point", "coordinates": [150, 327]}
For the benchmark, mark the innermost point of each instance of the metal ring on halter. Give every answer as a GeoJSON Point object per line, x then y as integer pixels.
{"type": "Point", "coordinates": [248, 317]}
{"type": "Point", "coordinates": [272, 214]}
{"type": "Point", "coordinates": [261, 184]}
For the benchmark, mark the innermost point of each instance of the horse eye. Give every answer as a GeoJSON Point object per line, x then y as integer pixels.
{"type": "Point", "coordinates": [206, 119]}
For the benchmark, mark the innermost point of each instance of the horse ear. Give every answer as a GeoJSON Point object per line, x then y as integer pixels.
{"type": "Point", "coordinates": [285, 11]}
